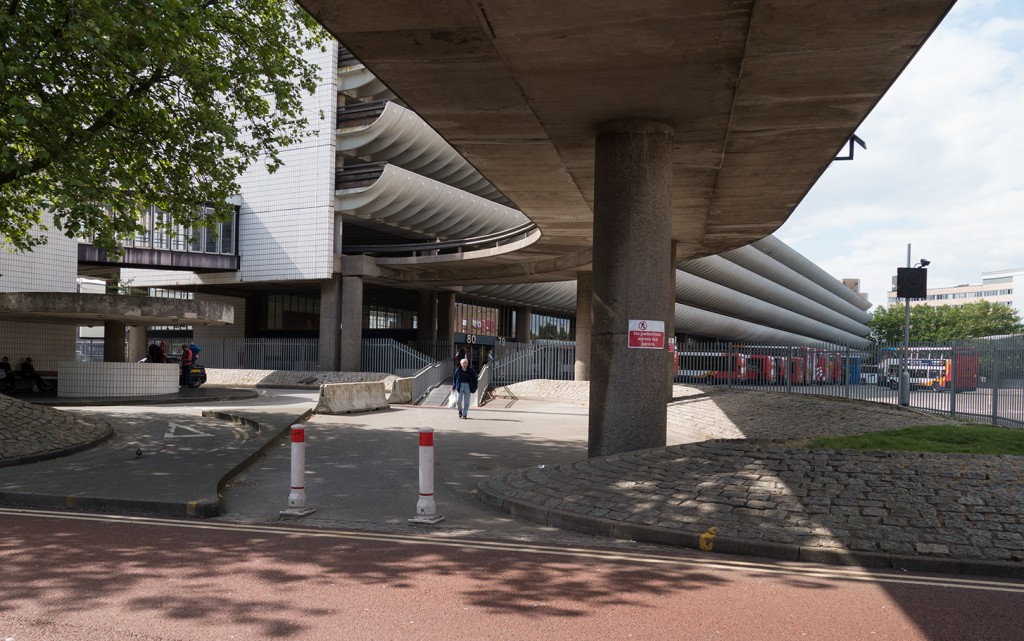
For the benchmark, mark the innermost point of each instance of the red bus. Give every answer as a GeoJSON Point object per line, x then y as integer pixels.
{"type": "Point", "coordinates": [716, 367]}
{"type": "Point", "coordinates": [932, 368]}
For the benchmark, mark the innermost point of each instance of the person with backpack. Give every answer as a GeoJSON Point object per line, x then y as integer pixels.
{"type": "Point", "coordinates": [186, 365]}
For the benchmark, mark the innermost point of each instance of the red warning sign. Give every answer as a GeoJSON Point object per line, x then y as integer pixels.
{"type": "Point", "coordinates": [646, 334]}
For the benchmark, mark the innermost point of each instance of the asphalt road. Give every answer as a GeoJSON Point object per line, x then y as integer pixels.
{"type": "Point", "coordinates": [78, 576]}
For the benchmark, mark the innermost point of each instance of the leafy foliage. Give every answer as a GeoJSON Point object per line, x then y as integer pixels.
{"type": "Point", "coordinates": [944, 323]}
{"type": "Point", "coordinates": [110, 106]}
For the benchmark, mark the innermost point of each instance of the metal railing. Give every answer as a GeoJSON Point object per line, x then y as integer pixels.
{"type": "Point", "coordinates": [291, 354]}
{"type": "Point", "coordinates": [546, 359]}
{"type": "Point", "coordinates": [390, 356]}
{"type": "Point", "coordinates": [980, 380]}
{"type": "Point", "coordinates": [428, 378]}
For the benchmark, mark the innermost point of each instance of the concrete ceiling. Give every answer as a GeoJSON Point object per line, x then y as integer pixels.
{"type": "Point", "coordinates": [762, 95]}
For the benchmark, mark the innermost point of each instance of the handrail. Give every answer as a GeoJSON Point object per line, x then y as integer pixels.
{"type": "Point", "coordinates": [360, 110]}
{"type": "Point", "coordinates": [350, 174]}
{"type": "Point", "coordinates": [496, 237]}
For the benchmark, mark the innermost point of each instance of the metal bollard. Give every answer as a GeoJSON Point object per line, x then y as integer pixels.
{"type": "Point", "coordinates": [426, 509]}
{"type": "Point", "coordinates": [297, 497]}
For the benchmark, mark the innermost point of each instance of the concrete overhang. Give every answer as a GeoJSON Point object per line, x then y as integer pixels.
{"type": "Point", "coordinates": [95, 309]}
{"type": "Point", "coordinates": [762, 94]}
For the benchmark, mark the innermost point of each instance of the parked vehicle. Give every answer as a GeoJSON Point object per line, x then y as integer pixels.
{"type": "Point", "coordinates": [198, 371]}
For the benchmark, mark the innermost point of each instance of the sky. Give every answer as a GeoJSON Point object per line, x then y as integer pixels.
{"type": "Point", "coordinates": [944, 166]}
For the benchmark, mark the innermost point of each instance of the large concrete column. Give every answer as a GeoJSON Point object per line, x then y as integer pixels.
{"type": "Point", "coordinates": [584, 324]}
{"type": "Point", "coordinates": [351, 324]}
{"type": "Point", "coordinates": [670, 322]}
{"type": "Point", "coordinates": [329, 356]}
{"type": "Point", "coordinates": [446, 316]}
{"type": "Point", "coordinates": [524, 323]}
{"type": "Point", "coordinates": [632, 233]}
{"type": "Point", "coordinates": [113, 342]}
{"type": "Point", "coordinates": [138, 348]}
{"type": "Point", "coordinates": [426, 317]}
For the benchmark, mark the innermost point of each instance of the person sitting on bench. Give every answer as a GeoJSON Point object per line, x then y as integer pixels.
{"type": "Point", "coordinates": [28, 372]}
{"type": "Point", "coordinates": [7, 376]}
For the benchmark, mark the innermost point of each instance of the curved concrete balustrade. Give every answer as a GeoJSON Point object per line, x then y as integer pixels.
{"type": "Point", "coordinates": [358, 82]}
{"type": "Point", "coordinates": [694, 290]}
{"type": "Point", "coordinates": [719, 270]}
{"type": "Point", "coordinates": [799, 263]}
{"type": "Point", "coordinates": [406, 200]}
{"type": "Point", "coordinates": [400, 137]}
{"type": "Point", "coordinates": [693, 320]}
{"type": "Point", "coordinates": [110, 380]}
{"type": "Point", "coordinates": [754, 260]}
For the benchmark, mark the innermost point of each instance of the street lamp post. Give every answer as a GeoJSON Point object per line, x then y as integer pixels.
{"type": "Point", "coordinates": [904, 371]}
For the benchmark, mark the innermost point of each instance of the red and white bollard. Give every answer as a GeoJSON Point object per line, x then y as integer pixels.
{"type": "Point", "coordinates": [426, 509]}
{"type": "Point", "coordinates": [297, 497]}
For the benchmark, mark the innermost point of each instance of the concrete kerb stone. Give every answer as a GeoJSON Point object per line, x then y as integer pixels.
{"type": "Point", "coordinates": [739, 546]}
{"type": "Point", "coordinates": [59, 452]}
{"type": "Point", "coordinates": [260, 451]}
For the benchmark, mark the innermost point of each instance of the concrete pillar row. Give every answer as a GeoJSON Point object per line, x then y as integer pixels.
{"type": "Point", "coordinates": [329, 356]}
{"type": "Point", "coordinates": [524, 323]}
{"type": "Point", "coordinates": [351, 324]}
{"type": "Point", "coordinates": [138, 348]}
{"type": "Point", "coordinates": [426, 317]}
{"type": "Point", "coordinates": [113, 342]}
{"type": "Point", "coordinates": [670, 322]}
{"type": "Point", "coordinates": [632, 233]}
{"type": "Point", "coordinates": [446, 316]}
{"type": "Point", "coordinates": [584, 324]}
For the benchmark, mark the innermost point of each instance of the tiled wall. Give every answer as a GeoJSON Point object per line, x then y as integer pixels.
{"type": "Point", "coordinates": [82, 380]}
{"type": "Point", "coordinates": [49, 268]}
{"type": "Point", "coordinates": [204, 335]}
{"type": "Point", "coordinates": [286, 221]}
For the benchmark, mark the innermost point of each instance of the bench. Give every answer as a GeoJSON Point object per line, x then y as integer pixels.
{"type": "Point", "coordinates": [25, 385]}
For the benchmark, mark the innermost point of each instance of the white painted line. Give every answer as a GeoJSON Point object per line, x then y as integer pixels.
{"type": "Point", "coordinates": [192, 432]}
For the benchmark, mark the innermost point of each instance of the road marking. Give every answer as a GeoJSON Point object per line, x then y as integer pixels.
{"type": "Point", "coordinates": [173, 432]}
{"type": "Point", "coordinates": [780, 568]}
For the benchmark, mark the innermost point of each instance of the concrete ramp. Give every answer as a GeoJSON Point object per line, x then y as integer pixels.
{"type": "Point", "coordinates": [343, 398]}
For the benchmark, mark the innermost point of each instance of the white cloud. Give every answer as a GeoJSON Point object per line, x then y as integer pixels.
{"type": "Point", "coordinates": [943, 166]}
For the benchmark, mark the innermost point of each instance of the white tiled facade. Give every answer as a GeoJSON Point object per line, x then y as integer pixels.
{"type": "Point", "coordinates": [90, 380]}
{"type": "Point", "coordinates": [49, 268]}
{"type": "Point", "coordinates": [286, 219]}
{"type": "Point", "coordinates": [203, 335]}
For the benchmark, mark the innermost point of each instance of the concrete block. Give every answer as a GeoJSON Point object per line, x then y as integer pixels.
{"type": "Point", "coordinates": [343, 398]}
{"type": "Point", "coordinates": [401, 391]}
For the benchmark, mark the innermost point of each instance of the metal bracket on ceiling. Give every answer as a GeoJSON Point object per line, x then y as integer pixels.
{"type": "Point", "coordinates": [849, 147]}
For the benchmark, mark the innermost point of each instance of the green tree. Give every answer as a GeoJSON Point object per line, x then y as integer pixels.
{"type": "Point", "coordinates": [944, 323]}
{"type": "Point", "coordinates": [110, 106]}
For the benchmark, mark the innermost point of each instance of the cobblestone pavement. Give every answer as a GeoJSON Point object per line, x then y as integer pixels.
{"type": "Point", "coordinates": [29, 431]}
{"type": "Point", "coordinates": [932, 511]}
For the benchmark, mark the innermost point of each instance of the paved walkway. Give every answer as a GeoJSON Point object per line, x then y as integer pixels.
{"type": "Point", "coordinates": [528, 458]}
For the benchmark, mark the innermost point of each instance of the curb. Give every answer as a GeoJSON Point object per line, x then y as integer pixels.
{"type": "Point", "coordinates": [744, 547]}
{"type": "Point", "coordinates": [202, 508]}
{"type": "Point", "coordinates": [57, 453]}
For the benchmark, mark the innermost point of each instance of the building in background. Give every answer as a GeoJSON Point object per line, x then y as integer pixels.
{"type": "Point", "coordinates": [299, 259]}
{"type": "Point", "coordinates": [996, 287]}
